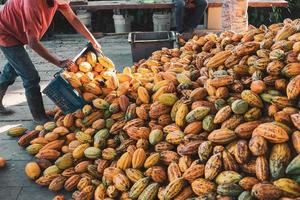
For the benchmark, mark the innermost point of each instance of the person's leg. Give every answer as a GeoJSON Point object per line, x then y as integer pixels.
{"type": "Point", "coordinates": [7, 78]}
{"type": "Point", "coordinates": [179, 10]}
{"type": "Point", "coordinates": [23, 66]}
{"type": "Point", "coordinates": [198, 12]}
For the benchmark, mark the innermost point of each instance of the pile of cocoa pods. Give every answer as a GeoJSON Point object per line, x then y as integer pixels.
{"type": "Point", "coordinates": [217, 118]}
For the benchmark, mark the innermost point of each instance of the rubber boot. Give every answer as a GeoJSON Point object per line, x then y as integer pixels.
{"type": "Point", "coordinates": [36, 107]}
{"type": "Point", "coordinates": [4, 111]}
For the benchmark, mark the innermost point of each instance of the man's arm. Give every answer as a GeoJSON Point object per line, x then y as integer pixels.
{"type": "Point", "coordinates": [40, 49]}
{"type": "Point", "coordinates": [80, 27]}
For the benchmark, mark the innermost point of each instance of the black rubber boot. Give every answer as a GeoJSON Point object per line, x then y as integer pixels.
{"type": "Point", "coordinates": [4, 111]}
{"type": "Point", "coordinates": [36, 107]}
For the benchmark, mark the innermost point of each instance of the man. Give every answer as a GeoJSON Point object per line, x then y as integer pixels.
{"type": "Point", "coordinates": [197, 9]}
{"type": "Point", "coordinates": [234, 15]}
{"type": "Point", "coordinates": [24, 22]}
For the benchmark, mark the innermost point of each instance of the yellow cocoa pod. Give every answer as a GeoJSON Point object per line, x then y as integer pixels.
{"type": "Point", "coordinates": [218, 59]}
{"type": "Point", "coordinates": [138, 158]}
{"type": "Point", "coordinates": [143, 95]}
{"type": "Point", "coordinates": [168, 99]}
{"type": "Point", "coordinates": [181, 114]}
{"type": "Point", "coordinates": [124, 161]}
{"type": "Point", "coordinates": [32, 170]}
{"type": "Point", "coordinates": [288, 186]}
{"type": "Point", "coordinates": [152, 160]}
{"type": "Point", "coordinates": [173, 188]}
{"type": "Point", "coordinates": [91, 58]}
{"type": "Point", "coordinates": [79, 151]}
{"type": "Point", "coordinates": [271, 132]}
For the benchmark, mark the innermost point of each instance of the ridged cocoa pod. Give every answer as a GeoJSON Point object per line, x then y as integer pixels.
{"type": "Point", "coordinates": [258, 145]}
{"type": "Point", "coordinates": [46, 180]}
{"type": "Point", "coordinates": [264, 191]}
{"type": "Point", "coordinates": [57, 183]}
{"type": "Point", "coordinates": [202, 186]}
{"type": "Point", "coordinates": [134, 174]}
{"type": "Point", "coordinates": [229, 161]}
{"type": "Point", "coordinates": [213, 166]}
{"type": "Point", "coordinates": [189, 148]}
{"type": "Point", "coordinates": [280, 157]}
{"type": "Point", "coordinates": [169, 156]}
{"type": "Point", "coordinates": [71, 183]}
{"type": "Point", "coordinates": [241, 152]}
{"type": "Point", "coordinates": [296, 141]}
{"type": "Point", "coordinates": [262, 168]}
{"type": "Point", "coordinates": [194, 172]}
{"type": "Point", "coordinates": [248, 182]}
{"type": "Point", "coordinates": [157, 173]}
{"type": "Point", "coordinates": [205, 150]}
{"type": "Point", "coordinates": [27, 137]}
{"type": "Point", "coordinates": [173, 172]}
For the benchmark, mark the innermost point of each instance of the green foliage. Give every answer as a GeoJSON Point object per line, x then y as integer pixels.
{"type": "Point", "coordinates": [259, 16]}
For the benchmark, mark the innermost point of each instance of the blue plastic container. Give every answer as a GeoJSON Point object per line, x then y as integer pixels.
{"type": "Point", "coordinates": [62, 93]}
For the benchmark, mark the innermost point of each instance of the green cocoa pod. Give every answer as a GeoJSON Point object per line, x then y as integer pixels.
{"type": "Point", "coordinates": [52, 170]}
{"type": "Point", "coordinates": [294, 166]}
{"type": "Point", "coordinates": [138, 187]}
{"type": "Point", "coordinates": [253, 114]}
{"type": "Point", "coordinates": [227, 177]}
{"type": "Point", "coordinates": [109, 122]}
{"type": "Point", "coordinates": [197, 114]}
{"type": "Point", "coordinates": [107, 114]}
{"type": "Point", "coordinates": [220, 73]}
{"type": "Point", "coordinates": [205, 150]}
{"type": "Point", "coordinates": [239, 106]}
{"type": "Point", "coordinates": [150, 192]}
{"type": "Point", "coordinates": [100, 137]}
{"type": "Point", "coordinates": [266, 97]}
{"type": "Point", "coordinates": [92, 153]}
{"type": "Point", "coordinates": [246, 195]}
{"type": "Point", "coordinates": [65, 161]}
{"type": "Point", "coordinates": [231, 189]}
{"type": "Point", "coordinates": [220, 103]}
{"type": "Point", "coordinates": [34, 148]}
{"type": "Point", "coordinates": [156, 136]}
{"type": "Point", "coordinates": [208, 123]}
{"type": "Point", "coordinates": [83, 137]}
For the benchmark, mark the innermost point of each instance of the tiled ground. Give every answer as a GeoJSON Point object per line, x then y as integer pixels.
{"type": "Point", "coordinates": [14, 185]}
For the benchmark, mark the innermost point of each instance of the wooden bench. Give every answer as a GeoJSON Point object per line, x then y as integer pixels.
{"type": "Point", "coordinates": [121, 5]}
{"type": "Point", "coordinates": [214, 11]}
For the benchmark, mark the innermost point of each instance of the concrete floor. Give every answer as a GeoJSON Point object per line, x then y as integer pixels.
{"type": "Point", "coordinates": [14, 185]}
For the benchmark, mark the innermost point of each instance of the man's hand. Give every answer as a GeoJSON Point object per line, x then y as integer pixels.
{"type": "Point", "coordinates": [65, 63]}
{"type": "Point", "coordinates": [97, 46]}
{"type": "Point", "coordinates": [189, 4]}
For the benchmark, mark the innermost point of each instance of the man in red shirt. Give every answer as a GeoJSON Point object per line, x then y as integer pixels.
{"type": "Point", "coordinates": [24, 22]}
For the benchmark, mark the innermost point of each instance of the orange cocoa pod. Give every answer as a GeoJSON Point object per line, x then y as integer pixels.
{"type": "Point", "coordinates": [173, 172]}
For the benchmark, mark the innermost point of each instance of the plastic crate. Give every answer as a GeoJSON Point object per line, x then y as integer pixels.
{"type": "Point", "coordinates": [62, 93]}
{"type": "Point", "coordinates": [143, 44]}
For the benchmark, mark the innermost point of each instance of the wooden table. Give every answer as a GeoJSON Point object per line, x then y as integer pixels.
{"type": "Point", "coordinates": [121, 5]}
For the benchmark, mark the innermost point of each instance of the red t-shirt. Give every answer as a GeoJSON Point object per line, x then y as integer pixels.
{"type": "Point", "coordinates": [18, 17]}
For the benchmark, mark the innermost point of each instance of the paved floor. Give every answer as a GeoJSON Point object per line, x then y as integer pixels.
{"type": "Point", "coordinates": [14, 185]}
